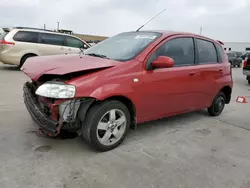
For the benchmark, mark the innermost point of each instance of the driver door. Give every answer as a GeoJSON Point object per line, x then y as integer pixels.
{"type": "Point", "coordinates": [169, 91]}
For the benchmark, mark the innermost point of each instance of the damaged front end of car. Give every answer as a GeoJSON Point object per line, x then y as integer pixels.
{"type": "Point", "coordinates": [54, 113]}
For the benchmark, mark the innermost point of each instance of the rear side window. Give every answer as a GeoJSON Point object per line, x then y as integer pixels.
{"type": "Point", "coordinates": [26, 36]}
{"type": "Point", "coordinates": [206, 52]}
{"type": "Point", "coordinates": [52, 39]}
{"type": "Point", "coordinates": [73, 42]}
{"type": "Point", "coordinates": [220, 52]}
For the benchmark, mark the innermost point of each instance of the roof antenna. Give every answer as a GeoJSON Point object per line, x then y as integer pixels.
{"type": "Point", "coordinates": [150, 20]}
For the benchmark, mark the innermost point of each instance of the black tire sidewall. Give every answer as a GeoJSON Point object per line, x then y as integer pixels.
{"type": "Point", "coordinates": [24, 59]}
{"type": "Point", "coordinates": [212, 110]}
{"type": "Point", "coordinates": [93, 118]}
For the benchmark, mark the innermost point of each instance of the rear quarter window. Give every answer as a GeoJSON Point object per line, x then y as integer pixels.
{"type": "Point", "coordinates": [220, 52]}
{"type": "Point", "coordinates": [206, 52]}
{"type": "Point", "coordinates": [26, 36]}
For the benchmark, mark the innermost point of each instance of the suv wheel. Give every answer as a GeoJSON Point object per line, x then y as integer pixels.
{"type": "Point", "coordinates": [24, 58]}
{"type": "Point", "coordinates": [106, 125]}
{"type": "Point", "coordinates": [218, 105]}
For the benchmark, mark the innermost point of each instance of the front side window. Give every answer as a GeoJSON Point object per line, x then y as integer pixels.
{"type": "Point", "coordinates": [26, 36]}
{"type": "Point", "coordinates": [181, 50]}
{"type": "Point", "coordinates": [52, 39]}
{"type": "Point", "coordinates": [206, 52]}
{"type": "Point", "coordinates": [124, 46]}
{"type": "Point", "coordinates": [74, 42]}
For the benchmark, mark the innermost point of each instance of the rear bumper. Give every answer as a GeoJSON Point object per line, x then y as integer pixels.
{"type": "Point", "coordinates": [246, 72]}
{"type": "Point", "coordinates": [48, 125]}
{"type": "Point", "coordinates": [6, 58]}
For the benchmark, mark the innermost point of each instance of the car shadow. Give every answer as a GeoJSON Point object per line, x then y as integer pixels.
{"type": "Point", "coordinates": [9, 67]}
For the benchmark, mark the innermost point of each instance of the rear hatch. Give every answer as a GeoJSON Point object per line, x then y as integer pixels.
{"type": "Point", "coordinates": [3, 43]}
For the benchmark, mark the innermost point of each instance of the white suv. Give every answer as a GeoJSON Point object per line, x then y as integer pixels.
{"type": "Point", "coordinates": [18, 44]}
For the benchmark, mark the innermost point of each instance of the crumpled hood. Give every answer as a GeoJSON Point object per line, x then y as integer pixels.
{"type": "Point", "coordinates": [35, 67]}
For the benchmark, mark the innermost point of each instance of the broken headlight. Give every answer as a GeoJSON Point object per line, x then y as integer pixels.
{"type": "Point", "coordinates": [57, 90]}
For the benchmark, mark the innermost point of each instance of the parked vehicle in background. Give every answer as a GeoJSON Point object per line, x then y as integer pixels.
{"type": "Point", "coordinates": [130, 78]}
{"type": "Point", "coordinates": [18, 44]}
{"type": "Point", "coordinates": [245, 54]}
{"type": "Point", "coordinates": [246, 68]}
{"type": "Point", "coordinates": [234, 59]}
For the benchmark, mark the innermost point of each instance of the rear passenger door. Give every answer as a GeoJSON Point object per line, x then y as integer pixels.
{"type": "Point", "coordinates": [211, 69]}
{"type": "Point", "coordinates": [51, 44]}
{"type": "Point", "coordinates": [73, 44]}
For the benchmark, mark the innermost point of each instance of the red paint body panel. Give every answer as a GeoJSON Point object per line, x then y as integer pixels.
{"type": "Point", "coordinates": [158, 93]}
{"type": "Point", "coordinates": [63, 64]}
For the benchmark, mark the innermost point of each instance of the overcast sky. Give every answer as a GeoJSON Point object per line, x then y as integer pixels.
{"type": "Point", "coordinates": [226, 20]}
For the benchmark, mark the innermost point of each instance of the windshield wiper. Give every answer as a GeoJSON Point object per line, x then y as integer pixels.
{"type": "Point", "coordinates": [97, 55]}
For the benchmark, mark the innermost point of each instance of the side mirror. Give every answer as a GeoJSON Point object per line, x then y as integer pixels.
{"type": "Point", "coordinates": [163, 62]}
{"type": "Point", "coordinates": [85, 46]}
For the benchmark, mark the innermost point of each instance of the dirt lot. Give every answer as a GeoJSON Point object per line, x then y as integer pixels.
{"type": "Point", "coordinates": [187, 151]}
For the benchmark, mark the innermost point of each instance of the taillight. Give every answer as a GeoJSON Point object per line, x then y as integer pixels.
{"type": "Point", "coordinates": [245, 62]}
{"type": "Point", "coordinates": [4, 42]}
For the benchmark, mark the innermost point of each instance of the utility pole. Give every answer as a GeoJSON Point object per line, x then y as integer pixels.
{"type": "Point", "coordinates": [58, 23]}
{"type": "Point", "coordinates": [44, 26]}
{"type": "Point", "coordinates": [201, 30]}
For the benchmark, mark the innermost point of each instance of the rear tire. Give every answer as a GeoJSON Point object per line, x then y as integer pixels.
{"type": "Point", "coordinates": [104, 131]}
{"type": "Point", "coordinates": [218, 105]}
{"type": "Point", "coordinates": [24, 58]}
{"type": "Point", "coordinates": [248, 81]}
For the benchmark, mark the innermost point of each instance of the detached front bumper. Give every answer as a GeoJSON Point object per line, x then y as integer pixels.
{"type": "Point", "coordinates": [48, 125]}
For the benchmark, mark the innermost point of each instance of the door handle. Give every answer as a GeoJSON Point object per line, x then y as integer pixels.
{"type": "Point", "coordinates": [220, 70]}
{"type": "Point", "coordinates": [191, 73]}
{"type": "Point", "coordinates": [62, 48]}
{"type": "Point", "coordinates": [69, 49]}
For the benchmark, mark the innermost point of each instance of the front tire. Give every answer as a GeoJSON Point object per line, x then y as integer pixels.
{"type": "Point", "coordinates": [106, 125]}
{"type": "Point", "coordinates": [218, 105]}
{"type": "Point", "coordinates": [248, 81]}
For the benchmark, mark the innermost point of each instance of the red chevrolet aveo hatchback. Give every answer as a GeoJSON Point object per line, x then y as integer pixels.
{"type": "Point", "coordinates": [130, 78]}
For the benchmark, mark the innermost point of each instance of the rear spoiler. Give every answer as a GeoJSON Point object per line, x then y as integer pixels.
{"type": "Point", "coordinates": [220, 42]}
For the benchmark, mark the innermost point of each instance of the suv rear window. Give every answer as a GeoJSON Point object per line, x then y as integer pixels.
{"type": "Point", "coordinates": [26, 36]}
{"type": "Point", "coordinates": [207, 52]}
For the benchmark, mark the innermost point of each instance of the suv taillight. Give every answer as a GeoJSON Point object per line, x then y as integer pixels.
{"type": "Point", "coordinates": [4, 42]}
{"type": "Point", "coordinates": [245, 62]}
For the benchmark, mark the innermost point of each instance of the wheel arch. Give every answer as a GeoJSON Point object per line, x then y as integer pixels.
{"type": "Point", "coordinates": [129, 104]}
{"type": "Point", "coordinates": [25, 55]}
{"type": "Point", "coordinates": [85, 107]}
{"type": "Point", "coordinates": [227, 90]}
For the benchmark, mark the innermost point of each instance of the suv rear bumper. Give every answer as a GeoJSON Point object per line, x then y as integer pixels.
{"type": "Point", "coordinates": [6, 58]}
{"type": "Point", "coordinates": [48, 125]}
{"type": "Point", "coordinates": [246, 72]}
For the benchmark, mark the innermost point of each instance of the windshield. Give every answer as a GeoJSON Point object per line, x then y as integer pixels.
{"type": "Point", "coordinates": [124, 46]}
